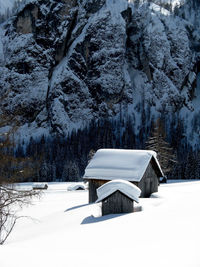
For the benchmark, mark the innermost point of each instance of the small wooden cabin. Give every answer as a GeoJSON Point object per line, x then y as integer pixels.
{"type": "Point", "coordinates": [40, 186]}
{"type": "Point", "coordinates": [117, 202]}
{"type": "Point", "coordinates": [139, 167]}
{"type": "Point", "coordinates": [118, 196]}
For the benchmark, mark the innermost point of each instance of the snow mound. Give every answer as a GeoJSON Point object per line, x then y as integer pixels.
{"type": "Point", "coordinates": [126, 164]}
{"type": "Point", "coordinates": [76, 187]}
{"type": "Point", "coordinates": [127, 188]}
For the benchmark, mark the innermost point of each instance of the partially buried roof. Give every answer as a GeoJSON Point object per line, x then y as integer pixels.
{"type": "Point", "coordinates": [127, 188]}
{"type": "Point", "coordinates": [126, 164]}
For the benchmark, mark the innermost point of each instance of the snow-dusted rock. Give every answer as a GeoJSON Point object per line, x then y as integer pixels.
{"type": "Point", "coordinates": [65, 63]}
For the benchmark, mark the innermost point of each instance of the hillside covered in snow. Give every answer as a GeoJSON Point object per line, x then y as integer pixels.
{"type": "Point", "coordinates": [76, 68]}
{"type": "Point", "coordinates": [66, 63]}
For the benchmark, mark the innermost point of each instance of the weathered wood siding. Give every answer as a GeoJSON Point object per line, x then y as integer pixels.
{"type": "Point", "coordinates": [93, 185]}
{"type": "Point", "coordinates": [149, 181]}
{"type": "Point", "coordinates": [117, 203]}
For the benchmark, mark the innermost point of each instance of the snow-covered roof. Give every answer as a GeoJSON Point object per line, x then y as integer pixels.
{"type": "Point", "coordinates": [40, 185]}
{"type": "Point", "coordinates": [127, 188]}
{"type": "Point", "coordinates": [126, 164]}
{"type": "Point", "coordinates": [76, 187]}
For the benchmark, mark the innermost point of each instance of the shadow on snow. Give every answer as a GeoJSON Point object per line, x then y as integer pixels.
{"type": "Point", "coordinates": [79, 206]}
{"type": "Point", "coordinates": [92, 219]}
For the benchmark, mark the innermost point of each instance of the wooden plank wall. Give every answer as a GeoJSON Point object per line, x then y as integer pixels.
{"type": "Point", "coordinates": [149, 182]}
{"type": "Point", "coordinates": [93, 185]}
{"type": "Point", "coordinates": [117, 203]}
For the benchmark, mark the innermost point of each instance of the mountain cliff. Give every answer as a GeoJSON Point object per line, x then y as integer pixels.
{"type": "Point", "coordinates": [65, 64]}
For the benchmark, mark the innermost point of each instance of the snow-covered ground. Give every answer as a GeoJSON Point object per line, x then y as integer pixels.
{"type": "Point", "coordinates": [66, 231]}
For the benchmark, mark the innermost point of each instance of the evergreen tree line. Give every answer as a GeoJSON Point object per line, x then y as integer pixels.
{"type": "Point", "coordinates": [64, 159]}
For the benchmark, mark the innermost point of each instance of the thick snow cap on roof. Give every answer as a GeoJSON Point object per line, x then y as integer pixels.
{"type": "Point", "coordinates": [126, 164]}
{"type": "Point", "coordinates": [127, 188]}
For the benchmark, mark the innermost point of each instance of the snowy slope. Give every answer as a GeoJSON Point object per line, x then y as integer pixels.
{"type": "Point", "coordinates": [65, 231]}
{"type": "Point", "coordinates": [5, 4]}
{"type": "Point", "coordinates": [173, 3]}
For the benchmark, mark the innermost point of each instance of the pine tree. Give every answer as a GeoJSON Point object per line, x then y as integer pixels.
{"type": "Point", "coordinates": [197, 172]}
{"type": "Point", "coordinates": [157, 142]}
{"type": "Point", "coordinates": [91, 154]}
{"type": "Point", "coordinates": [190, 165]}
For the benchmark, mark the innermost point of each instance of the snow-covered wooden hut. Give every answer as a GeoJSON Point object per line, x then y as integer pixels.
{"type": "Point", "coordinates": [40, 186]}
{"type": "Point", "coordinates": [139, 167]}
{"type": "Point", "coordinates": [118, 196]}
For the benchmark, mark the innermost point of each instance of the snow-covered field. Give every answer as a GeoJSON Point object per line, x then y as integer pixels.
{"type": "Point", "coordinates": [65, 231]}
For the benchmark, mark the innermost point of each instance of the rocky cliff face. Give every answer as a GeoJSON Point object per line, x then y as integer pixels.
{"type": "Point", "coordinates": [65, 63]}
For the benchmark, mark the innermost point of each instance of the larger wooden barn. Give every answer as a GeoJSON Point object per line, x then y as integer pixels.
{"type": "Point", "coordinates": [140, 167]}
